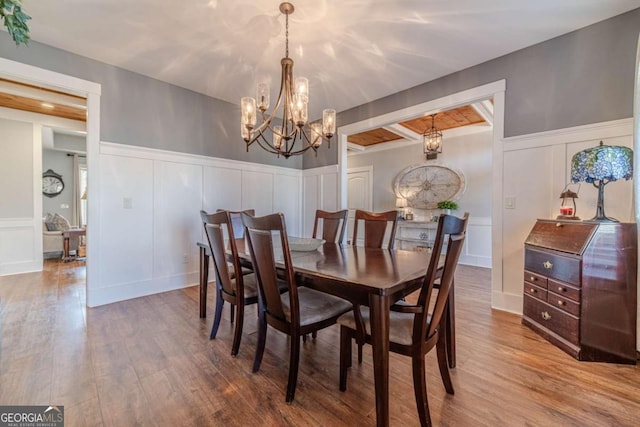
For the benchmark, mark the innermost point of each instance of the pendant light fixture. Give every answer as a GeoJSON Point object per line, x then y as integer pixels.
{"type": "Point", "coordinates": [293, 134]}
{"type": "Point", "coordinates": [432, 140]}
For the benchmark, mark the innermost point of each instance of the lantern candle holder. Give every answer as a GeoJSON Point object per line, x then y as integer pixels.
{"type": "Point", "coordinates": [568, 206]}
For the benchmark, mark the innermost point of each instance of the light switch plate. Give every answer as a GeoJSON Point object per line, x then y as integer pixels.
{"type": "Point", "coordinates": [510, 202]}
{"type": "Point", "coordinates": [127, 203]}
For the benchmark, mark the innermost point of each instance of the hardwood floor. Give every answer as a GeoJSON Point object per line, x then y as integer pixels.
{"type": "Point", "coordinates": [149, 361]}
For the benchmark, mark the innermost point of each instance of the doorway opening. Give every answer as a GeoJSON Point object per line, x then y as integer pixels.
{"type": "Point", "coordinates": [493, 91]}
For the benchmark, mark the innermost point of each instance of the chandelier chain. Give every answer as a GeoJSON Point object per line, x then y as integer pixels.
{"type": "Point", "coordinates": [286, 36]}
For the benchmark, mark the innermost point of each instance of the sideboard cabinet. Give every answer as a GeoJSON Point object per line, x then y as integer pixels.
{"type": "Point", "coordinates": [580, 288]}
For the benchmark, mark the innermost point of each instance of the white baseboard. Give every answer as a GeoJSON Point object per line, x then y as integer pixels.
{"type": "Point", "coordinates": [125, 291]}
{"type": "Point", "coordinates": [20, 267]}
{"type": "Point", "coordinates": [511, 303]}
{"type": "Point", "coordinates": [474, 260]}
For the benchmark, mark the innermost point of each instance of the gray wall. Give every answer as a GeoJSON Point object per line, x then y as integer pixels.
{"type": "Point", "coordinates": [16, 169]}
{"type": "Point", "coordinates": [575, 79]}
{"type": "Point", "coordinates": [141, 111]}
{"type": "Point", "coordinates": [470, 154]}
{"type": "Point", "coordinates": [60, 163]}
{"type": "Point", "coordinates": [578, 78]}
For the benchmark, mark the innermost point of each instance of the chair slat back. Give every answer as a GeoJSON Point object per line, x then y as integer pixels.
{"type": "Point", "coordinates": [215, 226]}
{"type": "Point", "coordinates": [264, 250]}
{"type": "Point", "coordinates": [375, 228]}
{"type": "Point", "coordinates": [453, 228]}
{"type": "Point", "coordinates": [236, 223]}
{"type": "Point", "coordinates": [333, 225]}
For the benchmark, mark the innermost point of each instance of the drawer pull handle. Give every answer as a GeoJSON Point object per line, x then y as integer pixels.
{"type": "Point", "coordinates": [558, 224]}
{"type": "Point", "coordinates": [533, 279]}
{"type": "Point", "coordinates": [561, 289]}
{"type": "Point", "coordinates": [533, 291]}
{"type": "Point", "coordinates": [561, 302]}
{"type": "Point", "coordinates": [548, 265]}
{"type": "Point", "coordinates": [545, 315]}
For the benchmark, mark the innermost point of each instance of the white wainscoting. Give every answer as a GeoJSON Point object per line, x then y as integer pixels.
{"type": "Point", "coordinates": [536, 169]}
{"type": "Point", "coordinates": [477, 244]}
{"type": "Point", "coordinates": [20, 245]}
{"type": "Point", "coordinates": [149, 204]}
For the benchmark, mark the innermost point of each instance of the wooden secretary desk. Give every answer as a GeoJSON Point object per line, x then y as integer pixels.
{"type": "Point", "coordinates": [580, 288]}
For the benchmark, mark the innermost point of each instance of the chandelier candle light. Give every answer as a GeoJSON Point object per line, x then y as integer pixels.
{"type": "Point", "coordinates": [294, 100]}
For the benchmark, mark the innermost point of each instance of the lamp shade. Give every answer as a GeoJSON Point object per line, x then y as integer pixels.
{"type": "Point", "coordinates": [599, 166]}
{"type": "Point", "coordinates": [401, 202]}
{"type": "Point", "coordinates": [604, 162]}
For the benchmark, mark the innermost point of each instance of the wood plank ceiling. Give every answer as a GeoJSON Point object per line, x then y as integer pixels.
{"type": "Point", "coordinates": [450, 119]}
{"type": "Point", "coordinates": [36, 99]}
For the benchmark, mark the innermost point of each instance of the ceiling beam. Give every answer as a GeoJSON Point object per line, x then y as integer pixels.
{"type": "Point", "coordinates": [402, 131]}
{"type": "Point", "coordinates": [485, 109]}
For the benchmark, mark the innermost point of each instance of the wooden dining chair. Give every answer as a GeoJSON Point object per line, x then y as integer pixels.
{"type": "Point", "coordinates": [416, 329]}
{"type": "Point", "coordinates": [299, 311]}
{"type": "Point", "coordinates": [333, 225]}
{"type": "Point", "coordinates": [238, 290]}
{"type": "Point", "coordinates": [375, 227]}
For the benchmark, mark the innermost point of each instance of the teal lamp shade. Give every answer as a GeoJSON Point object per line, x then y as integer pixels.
{"type": "Point", "coordinates": [599, 166]}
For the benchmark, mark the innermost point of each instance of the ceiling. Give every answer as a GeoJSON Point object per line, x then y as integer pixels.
{"type": "Point", "coordinates": [352, 51]}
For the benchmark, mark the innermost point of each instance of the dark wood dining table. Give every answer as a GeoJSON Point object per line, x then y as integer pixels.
{"type": "Point", "coordinates": [372, 277]}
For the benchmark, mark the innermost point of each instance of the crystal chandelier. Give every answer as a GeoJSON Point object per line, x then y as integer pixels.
{"type": "Point", "coordinates": [294, 99]}
{"type": "Point", "coordinates": [432, 140]}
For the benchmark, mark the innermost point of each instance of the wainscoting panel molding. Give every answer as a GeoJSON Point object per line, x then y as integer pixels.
{"type": "Point", "coordinates": [149, 208]}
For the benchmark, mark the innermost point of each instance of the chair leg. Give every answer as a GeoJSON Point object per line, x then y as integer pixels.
{"type": "Point", "coordinates": [420, 390]}
{"type": "Point", "coordinates": [237, 335]}
{"type": "Point", "coordinates": [304, 338]}
{"type": "Point", "coordinates": [314, 334]}
{"type": "Point", "coordinates": [443, 363]}
{"type": "Point", "coordinates": [262, 338]}
{"type": "Point", "coordinates": [360, 353]}
{"type": "Point", "coordinates": [294, 361]}
{"type": "Point", "coordinates": [345, 355]}
{"type": "Point", "coordinates": [451, 327]}
{"type": "Point", "coordinates": [232, 313]}
{"type": "Point", "coordinates": [218, 315]}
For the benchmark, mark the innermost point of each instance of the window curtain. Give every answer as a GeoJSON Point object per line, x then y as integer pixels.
{"type": "Point", "coordinates": [75, 201]}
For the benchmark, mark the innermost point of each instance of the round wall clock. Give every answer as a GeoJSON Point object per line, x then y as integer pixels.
{"type": "Point", "coordinates": [423, 186]}
{"type": "Point", "coordinates": [52, 183]}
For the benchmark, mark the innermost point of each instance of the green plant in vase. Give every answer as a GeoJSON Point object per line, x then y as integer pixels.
{"type": "Point", "coordinates": [447, 206]}
{"type": "Point", "coordinates": [15, 20]}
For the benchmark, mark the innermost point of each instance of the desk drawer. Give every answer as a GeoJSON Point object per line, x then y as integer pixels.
{"type": "Point", "coordinates": [549, 264]}
{"type": "Point", "coordinates": [563, 324]}
{"type": "Point", "coordinates": [535, 279]}
{"type": "Point", "coordinates": [564, 290]}
{"type": "Point", "coordinates": [535, 291]}
{"type": "Point", "coordinates": [563, 304]}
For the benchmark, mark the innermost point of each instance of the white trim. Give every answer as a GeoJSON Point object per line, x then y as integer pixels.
{"type": "Point", "coordinates": [511, 303]}
{"type": "Point", "coordinates": [125, 291]}
{"type": "Point", "coordinates": [446, 102]}
{"type": "Point", "coordinates": [37, 224]}
{"type": "Point", "coordinates": [116, 149]}
{"type": "Point", "coordinates": [603, 130]}
{"type": "Point", "coordinates": [30, 74]}
{"type": "Point", "coordinates": [497, 189]}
